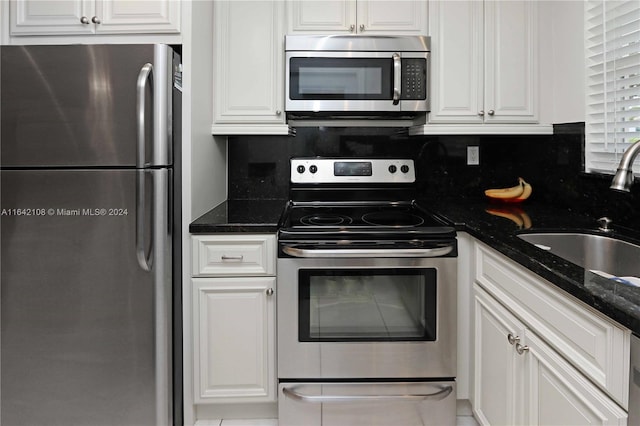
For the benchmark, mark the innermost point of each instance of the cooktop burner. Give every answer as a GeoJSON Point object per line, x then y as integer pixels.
{"type": "Point", "coordinates": [325, 219]}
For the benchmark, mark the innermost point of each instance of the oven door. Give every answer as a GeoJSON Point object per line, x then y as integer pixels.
{"type": "Point", "coordinates": [356, 82]}
{"type": "Point", "coordinates": [346, 318]}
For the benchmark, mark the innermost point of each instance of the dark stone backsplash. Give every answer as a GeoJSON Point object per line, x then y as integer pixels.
{"type": "Point", "coordinates": [553, 164]}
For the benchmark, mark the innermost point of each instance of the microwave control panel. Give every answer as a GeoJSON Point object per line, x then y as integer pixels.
{"type": "Point", "coordinates": [414, 79]}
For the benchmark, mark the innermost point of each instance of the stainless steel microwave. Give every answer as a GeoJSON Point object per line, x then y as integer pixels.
{"type": "Point", "coordinates": [357, 75]}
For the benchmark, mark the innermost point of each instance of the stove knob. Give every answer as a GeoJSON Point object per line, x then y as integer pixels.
{"type": "Point", "coordinates": [300, 169]}
{"type": "Point", "coordinates": [392, 169]}
{"type": "Point", "coordinates": [404, 169]}
{"type": "Point", "coordinates": [313, 169]}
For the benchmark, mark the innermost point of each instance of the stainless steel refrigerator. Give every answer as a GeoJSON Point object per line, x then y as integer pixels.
{"type": "Point", "coordinates": [89, 222]}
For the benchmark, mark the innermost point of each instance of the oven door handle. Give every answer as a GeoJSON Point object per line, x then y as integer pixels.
{"type": "Point", "coordinates": [426, 252]}
{"type": "Point", "coordinates": [442, 393]}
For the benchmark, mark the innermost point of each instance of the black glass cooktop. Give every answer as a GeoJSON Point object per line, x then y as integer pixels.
{"type": "Point", "coordinates": [394, 216]}
{"type": "Point", "coordinates": [371, 218]}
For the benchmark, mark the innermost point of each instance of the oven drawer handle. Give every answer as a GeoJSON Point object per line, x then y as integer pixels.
{"type": "Point", "coordinates": [430, 252]}
{"type": "Point", "coordinates": [437, 396]}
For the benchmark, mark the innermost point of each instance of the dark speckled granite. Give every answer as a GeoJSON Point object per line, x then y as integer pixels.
{"type": "Point", "coordinates": [240, 216]}
{"type": "Point", "coordinates": [618, 301]}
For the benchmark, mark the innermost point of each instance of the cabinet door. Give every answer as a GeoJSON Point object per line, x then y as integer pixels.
{"type": "Point", "coordinates": [140, 16]}
{"type": "Point", "coordinates": [234, 335]}
{"type": "Point", "coordinates": [497, 388]}
{"type": "Point", "coordinates": [557, 394]}
{"type": "Point", "coordinates": [248, 65]}
{"type": "Point", "coordinates": [392, 17]}
{"type": "Point", "coordinates": [321, 16]}
{"type": "Point", "coordinates": [457, 81]}
{"type": "Point", "coordinates": [47, 17]}
{"type": "Point", "coordinates": [511, 61]}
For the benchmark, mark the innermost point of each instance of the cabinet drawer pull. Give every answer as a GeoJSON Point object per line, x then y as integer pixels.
{"type": "Point", "coordinates": [512, 339]}
{"type": "Point", "coordinates": [521, 349]}
{"type": "Point", "coordinates": [225, 257]}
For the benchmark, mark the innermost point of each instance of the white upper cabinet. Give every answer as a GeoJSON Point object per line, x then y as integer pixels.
{"type": "Point", "coordinates": [357, 17]}
{"type": "Point", "coordinates": [484, 63]}
{"type": "Point", "coordinates": [78, 17]}
{"type": "Point", "coordinates": [248, 76]}
{"type": "Point", "coordinates": [511, 62]}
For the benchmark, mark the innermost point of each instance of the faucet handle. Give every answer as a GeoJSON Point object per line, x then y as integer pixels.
{"type": "Point", "coordinates": [605, 224]}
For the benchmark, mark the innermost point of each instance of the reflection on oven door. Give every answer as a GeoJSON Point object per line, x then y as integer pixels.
{"type": "Point", "coordinates": [367, 404]}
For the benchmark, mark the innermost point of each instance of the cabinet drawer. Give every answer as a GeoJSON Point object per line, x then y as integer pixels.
{"type": "Point", "coordinates": [227, 255]}
{"type": "Point", "coordinates": [593, 343]}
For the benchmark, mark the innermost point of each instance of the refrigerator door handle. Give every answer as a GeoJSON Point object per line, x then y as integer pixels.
{"type": "Point", "coordinates": [144, 76]}
{"type": "Point", "coordinates": [144, 260]}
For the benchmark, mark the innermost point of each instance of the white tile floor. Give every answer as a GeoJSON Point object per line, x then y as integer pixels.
{"type": "Point", "coordinates": [460, 421]}
{"type": "Point", "coordinates": [464, 418]}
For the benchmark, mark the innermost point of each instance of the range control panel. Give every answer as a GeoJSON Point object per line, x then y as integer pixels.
{"type": "Point", "coordinates": [352, 170]}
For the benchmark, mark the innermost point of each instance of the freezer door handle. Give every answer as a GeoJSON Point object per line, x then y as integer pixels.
{"type": "Point", "coordinates": [145, 260]}
{"type": "Point", "coordinates": [144, 76]}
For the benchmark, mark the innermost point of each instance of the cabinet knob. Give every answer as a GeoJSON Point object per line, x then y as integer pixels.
{"type": "Point", "coordinates": [491, 112]}
{"type": "Point", "coordinates": [521, 349]}
{"type": "Point", "coordinates": [512, 339]}
{"type": "Point", "coordinates": [84, 20]}
{"type": "Point", "coordinates": [481, 112]}
{"type": "Point", "coordinates": [361, 27]}
{"type": "Point", "coordinates": [352, 28]}
{"type": "Point", "coordinates": [278, 112]}
{"type": "Point", "coordinates": [269, 292]}
{"type": "Point", "coordinates": [96, 20]}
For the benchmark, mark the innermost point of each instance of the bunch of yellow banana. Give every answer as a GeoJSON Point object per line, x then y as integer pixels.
{"type": "Point", "coordinates": [514, 194]}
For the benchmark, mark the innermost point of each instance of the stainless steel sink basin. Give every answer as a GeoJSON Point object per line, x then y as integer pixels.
{"type": "Point", "coordinates": [593, 252]}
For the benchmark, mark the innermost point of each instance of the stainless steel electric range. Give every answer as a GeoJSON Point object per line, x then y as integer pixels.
{"type": "Point", "coordinates": [366, 306]}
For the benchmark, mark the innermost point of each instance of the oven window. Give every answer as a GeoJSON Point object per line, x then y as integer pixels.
{"type": "Point", "coordinates": [370, 305]}
{"type": "Point", "coordinates": [340, 78]}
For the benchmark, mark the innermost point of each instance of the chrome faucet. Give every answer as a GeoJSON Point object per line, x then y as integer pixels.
{"type": "Point", "coordinates": [624, 175]}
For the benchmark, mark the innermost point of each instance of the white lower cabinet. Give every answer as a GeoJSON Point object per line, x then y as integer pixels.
{"type": "Point", "coordinates": [520, 379]}
{"type": "Point", "coordinates": [233, 320]}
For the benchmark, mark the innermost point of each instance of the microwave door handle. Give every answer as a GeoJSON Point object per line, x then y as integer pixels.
{"type": "Point", "coordinates": [397, 78]}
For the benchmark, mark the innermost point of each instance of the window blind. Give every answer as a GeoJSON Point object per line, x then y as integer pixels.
{"type": "Point", "coordinates": [613, 82]}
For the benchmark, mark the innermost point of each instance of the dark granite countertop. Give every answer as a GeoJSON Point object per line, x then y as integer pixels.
{"type": "Point", "coordinates": [618, 301]}
{"type": "Point", "coordinates": [240, 216]}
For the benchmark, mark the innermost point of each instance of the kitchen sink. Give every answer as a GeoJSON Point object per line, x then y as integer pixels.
{"type": "Point", "coordinates": [608, 255]}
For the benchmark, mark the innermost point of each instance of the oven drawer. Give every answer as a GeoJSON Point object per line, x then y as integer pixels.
{"type": "Point", "coordinates": [233, 255]}
{"type": "Point", "coordinates": [367, 403]}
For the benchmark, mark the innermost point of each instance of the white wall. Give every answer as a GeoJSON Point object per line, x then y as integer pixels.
{"type": "Point", "coordinates": [562, 74]}
{"type": "Point", "coordinates": [208, 155]}
{"type": "Point", "coordinates": [205, 159]}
